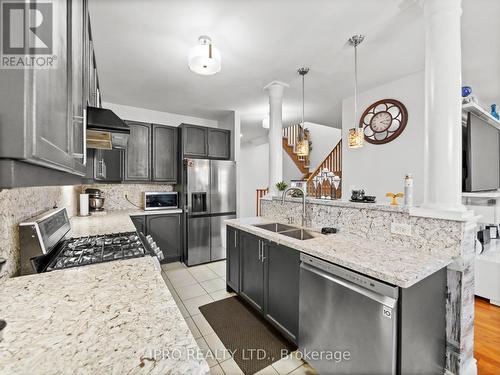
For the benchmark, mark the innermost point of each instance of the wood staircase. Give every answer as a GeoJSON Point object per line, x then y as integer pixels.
{"type": "Point", "coordinates": [291, 136]}
{"type": "Point", "coordinates": [333, 162]}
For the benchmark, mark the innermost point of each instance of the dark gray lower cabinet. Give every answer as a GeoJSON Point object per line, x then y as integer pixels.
{"type": "Point", "coordinates": [267, 276]}
{"type": "Point", "coordinates": [281, 288]}
{"type": "Point", "coordinates": [251, 270]}
{"type": "Point", "coordinates": [139, 223]}
{"type": "Point", "coordinates": [233, 259]}
{"type": "Point", "coordinates": [166, 232]}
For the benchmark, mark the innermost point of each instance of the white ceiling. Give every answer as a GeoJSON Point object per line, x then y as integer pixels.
{"type": "Point", "coordinates": [142, 46]}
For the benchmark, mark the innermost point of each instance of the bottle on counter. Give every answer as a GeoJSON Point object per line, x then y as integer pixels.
{"type": "Point", "coordinates": [408, 185]}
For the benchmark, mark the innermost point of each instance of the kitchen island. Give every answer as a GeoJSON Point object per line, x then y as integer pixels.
{"type": "Point", "coordinates": [302, 282]}
{"type": "Point", "coordinates": [115, 318]}
{"type": "Point", "coordinates": [396, 265]}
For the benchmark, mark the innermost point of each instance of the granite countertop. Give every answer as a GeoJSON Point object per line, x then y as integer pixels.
{"type": "Point", "coordinates": [116, 318]}
{"type": "Point", "coordinates": [399, 266]}
{"type": "Point", "coordinates": [378, 206]}
{"type": "Point", "coordinates": [106, 222]}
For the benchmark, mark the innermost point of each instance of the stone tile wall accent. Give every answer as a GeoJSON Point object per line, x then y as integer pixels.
{"type": "Point", "coordinates": [373, 223]}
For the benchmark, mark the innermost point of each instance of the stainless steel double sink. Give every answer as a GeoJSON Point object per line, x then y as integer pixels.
{"type": "Point", "coordinates": [286, 230]}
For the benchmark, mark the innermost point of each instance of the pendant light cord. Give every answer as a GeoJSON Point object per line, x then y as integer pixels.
{"type": "Point", "coordinates": [303, 106]}
{"type": "Point", "coordinates": [356, 83]}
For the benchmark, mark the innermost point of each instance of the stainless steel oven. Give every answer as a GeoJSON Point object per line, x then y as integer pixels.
{"type": "Point", "coordinates": [160, 200]}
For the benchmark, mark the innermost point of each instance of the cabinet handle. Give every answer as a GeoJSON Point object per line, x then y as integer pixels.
{"type": "Point", "coordinates": [262, 258]}
{"type": "Point", "coordinates": [235, 245]}
{"type": "Point", "coordinates": [259, 248]}
{"type": "Point", "coordinates": [83, 155]}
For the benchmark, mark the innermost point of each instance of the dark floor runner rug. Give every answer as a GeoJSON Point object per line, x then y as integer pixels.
{"type": "Point", "coordinates": [240, 329]}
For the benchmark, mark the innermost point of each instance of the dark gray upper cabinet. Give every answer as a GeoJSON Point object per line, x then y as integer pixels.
{"type": "Point", "coordinates": [108, 165]}
{"type": "Point", "coordinates": [203, 142]}
{"type": "Point", "coordinates": [219, 143]}
{"type": "Point", "coordinates": [281, 299]}
{"type": "Point", "coordinates": [138, 153]}
{"type": "Point", "coordinates": [166, 232]}
{"type": "Point", "coordinates": [164, 157]}
{"type": "Point", "coordinates": [233, 259]}
{"type": "Point", "coordinates": [42, 111]}
{"type": "Point", "coordinates": [251, 270]}
{"type": "Point", "coordinates": [194, 141]}
{"type": "Point", "coordinates": [79, 39]}
{"type": "Point", "coordinates": [151, 154]}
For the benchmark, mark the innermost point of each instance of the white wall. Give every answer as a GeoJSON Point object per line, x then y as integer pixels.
{"type": "Point", "coordinates": [254, 175]}
{"type": "Point", "coordinates": [127, 112]}
{"type": "Point", "coordinates": [379, 169]}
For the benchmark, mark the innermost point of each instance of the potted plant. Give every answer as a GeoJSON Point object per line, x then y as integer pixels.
{"type": "Point", "coordinates": [281, 186]}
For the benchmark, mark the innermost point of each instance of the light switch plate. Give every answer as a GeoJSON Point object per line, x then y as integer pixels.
{"type": "Point", "coordinates": [401, 228]}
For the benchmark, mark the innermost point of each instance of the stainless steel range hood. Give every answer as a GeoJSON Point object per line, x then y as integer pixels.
{"type": "Point", "coordinates": [105, 130]}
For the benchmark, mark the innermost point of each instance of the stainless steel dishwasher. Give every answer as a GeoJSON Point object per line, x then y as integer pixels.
{"type": "Point", "coordinates": [348, 322]}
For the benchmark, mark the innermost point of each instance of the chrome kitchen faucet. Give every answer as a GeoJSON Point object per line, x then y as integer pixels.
{"type": "Point", "coordinates": [303, 201]}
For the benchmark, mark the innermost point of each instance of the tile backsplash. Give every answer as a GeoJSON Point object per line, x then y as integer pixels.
{"type": "Point", "coordinates": [114, 194]}
{"type": "Point", "coordinates": [17, 205]}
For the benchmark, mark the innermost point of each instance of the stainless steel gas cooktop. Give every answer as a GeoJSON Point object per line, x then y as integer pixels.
{"type": "Point", "coordinates": [97, 249]}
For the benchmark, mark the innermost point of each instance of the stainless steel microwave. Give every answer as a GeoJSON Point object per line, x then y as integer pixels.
{"type": "Point", "coordinates": [160, 200]}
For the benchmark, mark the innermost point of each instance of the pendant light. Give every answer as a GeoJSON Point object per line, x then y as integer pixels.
{"type": "Point", "coordinates": [356, 134]}
{"type": "Point", "coordinates": [204, 58]}
{"type": "Point", "coordinates": [302, 147]}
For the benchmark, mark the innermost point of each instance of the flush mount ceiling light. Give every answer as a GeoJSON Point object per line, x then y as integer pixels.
{"type": "Point", "coordinates": [302, 147]}
{"type": "Point", "coordinates": [204, 58]}
{"type": "Point", "coordinates": [356, 134]}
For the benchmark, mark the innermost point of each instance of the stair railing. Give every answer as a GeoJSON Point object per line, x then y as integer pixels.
{"type": "Point", "coordinates": [333, 162]}
{"type": "Point", "coordinates": [260, 194]}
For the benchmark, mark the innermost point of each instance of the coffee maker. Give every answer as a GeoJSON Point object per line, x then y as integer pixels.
{"type": "Point", "coordinates": [96, 199]}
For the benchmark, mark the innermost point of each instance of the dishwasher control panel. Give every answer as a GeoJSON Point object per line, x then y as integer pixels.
{"type": "Point", "coordinates": [352, 276]}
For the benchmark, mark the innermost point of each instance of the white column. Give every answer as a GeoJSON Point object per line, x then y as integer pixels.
{"type": "Point", "coordinates": [275, 90]}
{"type": "Point", "coordinates": [443, 108]}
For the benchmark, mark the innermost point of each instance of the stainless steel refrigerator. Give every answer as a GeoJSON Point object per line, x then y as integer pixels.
{"type": "Point", "coordinates": [209, 198]}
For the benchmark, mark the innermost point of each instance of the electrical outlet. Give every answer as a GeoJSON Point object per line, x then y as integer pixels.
{"type": "Point", "coordinates": [401, 228]}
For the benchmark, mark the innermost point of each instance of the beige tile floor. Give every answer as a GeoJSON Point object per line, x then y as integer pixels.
{"type": "Point", "coordinates": [193, 287]}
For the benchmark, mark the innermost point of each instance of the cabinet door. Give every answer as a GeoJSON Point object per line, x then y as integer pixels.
{"type": "Point", "coordinates": [232, 259]}
{"type": "Point", "coordinates": [282, 271]}
{"type": "Point", "coordinates": [252, 270]}
{"type": "Point", "coordinates": [137, 153]}
{"type": "Point", "coordinates": [78, 97]}
{"type": "Point", "coordinates": [219, 144]}
{"type": "Point", "coordinates": [166, 232]}
{"type": "Point", "coordinates": [108, 165]}
{"type": "Point", "coordinates": [194, 140]}
{"type": "Point", "coordinates": [48, 100]}
{"type": "Point", "coordinates": [164, 160]}
{"type": "Point", "coordinates": [139, 223]}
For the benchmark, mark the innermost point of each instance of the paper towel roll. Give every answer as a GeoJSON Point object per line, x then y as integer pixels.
{"type": "Point", "coordinates": [84, 204]}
